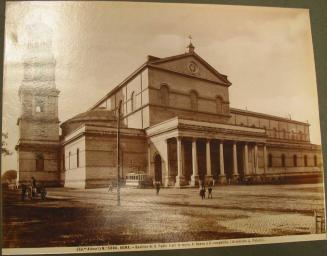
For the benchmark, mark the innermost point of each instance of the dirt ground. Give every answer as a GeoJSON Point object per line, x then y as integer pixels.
{"type": "Point", "coordinates": [73, 217]}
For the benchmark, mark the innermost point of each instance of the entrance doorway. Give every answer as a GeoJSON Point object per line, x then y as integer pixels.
{"type": "Point", "coordinates": [157, 168]}
{"type": "Point", "coordinates": [228, 160]}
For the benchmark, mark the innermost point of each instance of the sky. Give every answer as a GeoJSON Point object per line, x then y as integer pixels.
{"type": "Point", "coordinates": [266, 53]}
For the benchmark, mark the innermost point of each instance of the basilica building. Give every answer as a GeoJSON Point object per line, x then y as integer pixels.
{"type": "Point", "coordinates": [177, 126]}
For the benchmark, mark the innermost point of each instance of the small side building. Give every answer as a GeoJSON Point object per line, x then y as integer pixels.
{"type": "Point", "coordinates": [89, 150]}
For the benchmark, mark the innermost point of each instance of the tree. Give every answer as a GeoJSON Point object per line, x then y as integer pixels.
{"type": "Point", "coordinates": [4, 150]}
{"type": "Point", "coordinates": [9, 176]}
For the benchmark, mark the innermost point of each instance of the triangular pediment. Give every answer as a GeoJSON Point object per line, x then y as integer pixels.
{"type": "Point", "coordinates": [191, 64]}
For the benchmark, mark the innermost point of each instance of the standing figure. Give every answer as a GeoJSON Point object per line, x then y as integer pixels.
{"type": "Point", "coordinates": [203, 192]}
{"type": "Point", "coordinates": [33, 185]}
{"type": "Point", "coordinates": [157, 187]}
{"type": "Point", "coordinates": [24, 190]}
{"type": "Point", "coordinates": [210, 191]}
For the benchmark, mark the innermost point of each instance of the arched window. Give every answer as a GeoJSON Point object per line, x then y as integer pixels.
{"type": "Point", "coordinates": [194, 100]}
{"type": "Point", "coordinates": [77, 158]}
{"type": "Point", "coordinates": [132, 102]}
{"type": "Point", "coordinates": [219, 104]}
{"type": "Point", "coordinates": [39, 162]}
{"type": "Point", "coordinates": [315, 160]}
{"type": "Point", "coordinates": [305, 160]}
{"type": "Point", "coordinates": [295, 160]}
{"type": "Point", "coordinates": [164, 93]}
{"type": "Point", "coordinates": [283, 160]}
{"type": "Point", "coordinates": [270, 160]}
{"type": "Point", "coordinates": [38, 109]}
{"type": "Point", "coordinates": [39, 104]}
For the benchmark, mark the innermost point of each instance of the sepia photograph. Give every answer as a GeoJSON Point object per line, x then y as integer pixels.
{"type": "Point", "coordinates": [132, 126]}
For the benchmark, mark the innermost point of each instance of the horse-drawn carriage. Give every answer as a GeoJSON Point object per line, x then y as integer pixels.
{"type": "Point", "coordinates": [29, 191]}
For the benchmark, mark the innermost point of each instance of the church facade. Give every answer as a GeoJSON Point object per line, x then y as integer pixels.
{"type": "Point", "coordinates": [177, 125]}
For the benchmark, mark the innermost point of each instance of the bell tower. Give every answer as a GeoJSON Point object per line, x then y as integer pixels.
{"type": "Point", "coordinates": [38, 146]}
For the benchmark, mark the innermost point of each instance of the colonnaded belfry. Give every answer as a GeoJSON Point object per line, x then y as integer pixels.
{"type": "Point", "coordinates": [176, 125]}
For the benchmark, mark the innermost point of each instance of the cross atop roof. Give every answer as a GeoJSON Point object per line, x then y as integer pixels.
{"type": "Point", "coordinates": [190, 46]}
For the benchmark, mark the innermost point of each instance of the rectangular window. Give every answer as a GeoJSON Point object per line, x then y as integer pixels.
{"type": "Point", "coordinates": [40, 164]}
{"type": "Point", "coordinates": [69, 160]}
{"type": "Point", "coordinates": [283, 160]}
{"type": "Point", "coordinates": [63, 162]}
{"type": "Point", "coordinates": [270, 160]}
{"type": "Point", "coordinates": [305, 161]}
{"type": "Point", "coordinates": [77, 156]}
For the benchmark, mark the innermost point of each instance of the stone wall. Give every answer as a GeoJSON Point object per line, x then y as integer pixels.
{"type": "Point", "coordinates": [101, 158]}
{"type": "Point", "coordinates": [27, 157]}
{"type": "Point", "coordinates": [134, 97]}
{"type": "Point", "coordinates": [98, 158]}
{"type": "Point", "coordinates": [179, 98]}
{"type": "Point", "coordinates": [74, 168]}
{"type": "Point", "coordinates": [38, 145]}
{"type": "Point", "coordinates": [39, 130]}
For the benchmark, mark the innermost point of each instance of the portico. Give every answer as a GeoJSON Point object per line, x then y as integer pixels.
{"type": "Point", "coordinates": [201, 152]}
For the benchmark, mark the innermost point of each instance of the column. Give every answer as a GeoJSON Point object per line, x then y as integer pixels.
{"type": "Point", "coordinates": [208, 176]}
{"type": "Point", "coordinates": [256, 159]}
{"type": "Point", "coordinates": [167, 171]}
{"type": "Point", "coordinates": [252, 160]}
{"type": "Point", "coordinates": [246, 159]}
{"type": "Point", "coordinates": [179, 177]}
{"type": "Point", "coordinates": [235, 173]}
{"type": "Point", "coordinates": [195, 171]}
{"type": "Point", "coordinates": [265, 158]}
{"type": "Point", "coordinates": [222, 176]}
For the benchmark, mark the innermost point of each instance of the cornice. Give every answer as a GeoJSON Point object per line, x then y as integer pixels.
{"type": "Point", "coordinates": [188, 76]}
{"type": "Point", "coordinates": [267, 116]}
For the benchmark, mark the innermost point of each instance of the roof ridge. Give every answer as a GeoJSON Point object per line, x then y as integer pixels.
{"type": "Point", "coordinates": [140, 68]}
{"type": "Point", "coordinates": [170, 58]}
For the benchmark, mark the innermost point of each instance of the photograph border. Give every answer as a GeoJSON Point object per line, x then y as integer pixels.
{"type": "Point", "coordinates": [318, 18]}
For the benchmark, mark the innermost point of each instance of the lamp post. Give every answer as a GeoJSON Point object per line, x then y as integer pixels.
{"type": "Point", "coordinates": [118, 155]}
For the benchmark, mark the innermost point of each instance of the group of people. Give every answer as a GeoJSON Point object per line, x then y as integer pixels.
{"type": "Point", "coordinates": [203, 191]}
{"type": "Point", "coordinates": [33, 189]}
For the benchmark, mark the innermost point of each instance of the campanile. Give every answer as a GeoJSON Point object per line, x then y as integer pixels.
{"type": "Point", "coordinates": [38, 145]}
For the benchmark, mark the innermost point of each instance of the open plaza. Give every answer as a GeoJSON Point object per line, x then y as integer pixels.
{"type": "Point", "coordinates": [76, 217]}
